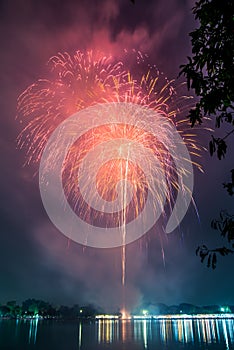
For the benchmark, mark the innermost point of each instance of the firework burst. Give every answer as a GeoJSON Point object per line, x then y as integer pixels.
{"type": "Point", "coordinates": [86, 79]}
{"type": "Point", "coordinates": [114, 142]}
{"type": "Point", "coordinates": [80, 81]}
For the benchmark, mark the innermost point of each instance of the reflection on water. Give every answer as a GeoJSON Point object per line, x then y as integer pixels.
{"type": "Point", "coordinates": [32, 331]}
{"type": "Point", "coordinates": [109, 331]}
{"type": "Point", "coordinates": [167, 331]}
{"type": "Point", "coordinates": [133, 334]}
{"type": "Point", "coordinates": [32, 337]}
{"type": "Point", "coordinates": [80, 336]}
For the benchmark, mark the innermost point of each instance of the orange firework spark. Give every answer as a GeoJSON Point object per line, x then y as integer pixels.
{"type": "Point", "coordinates": [77, 82]}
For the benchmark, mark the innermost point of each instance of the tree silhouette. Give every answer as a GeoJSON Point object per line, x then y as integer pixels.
{"type": "Point", "coordinates": [210, 72]}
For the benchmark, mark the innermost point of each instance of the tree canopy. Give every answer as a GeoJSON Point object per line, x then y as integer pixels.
{"type": "Point", "coordinates": [210, 72]}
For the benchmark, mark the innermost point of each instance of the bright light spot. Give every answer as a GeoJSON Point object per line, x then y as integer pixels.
{"type": "Point", "coordinates": [125, 315]}
{"type": "Point", "coordinates": [108, 317]}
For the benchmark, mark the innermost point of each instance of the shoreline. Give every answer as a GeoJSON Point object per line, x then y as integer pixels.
{"type": "Point", "coordinates": [130, 318]}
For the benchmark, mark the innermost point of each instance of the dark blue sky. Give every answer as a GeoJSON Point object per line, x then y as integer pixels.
{"type": "Point", "coordinates": [35, 258]}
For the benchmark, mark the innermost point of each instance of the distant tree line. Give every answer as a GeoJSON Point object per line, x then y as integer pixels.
{"type": "Point", "coordinates": [183, 308]}
{"type": "Point", "coordinates": [39, 308]}
{"type": "Point", "coordinates": [35, 307]}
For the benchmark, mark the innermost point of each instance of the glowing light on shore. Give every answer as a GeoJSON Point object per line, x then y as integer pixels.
{"type": "Point", "coordinates": [125, 315]}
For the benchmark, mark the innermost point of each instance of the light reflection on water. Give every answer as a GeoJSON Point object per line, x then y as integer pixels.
{"type": "Point", "coordinates": [118, 334]}
{"type": "Point", "coordinates": [32, 337]}
{"type": "Point", "coordinates": [206, 331]}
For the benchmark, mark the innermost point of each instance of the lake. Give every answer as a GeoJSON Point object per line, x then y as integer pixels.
{"type": "Point", "coordinates": [167, 334]}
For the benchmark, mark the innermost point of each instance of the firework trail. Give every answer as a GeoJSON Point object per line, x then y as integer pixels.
{"type": "Point", "coordinates": [111, 135]}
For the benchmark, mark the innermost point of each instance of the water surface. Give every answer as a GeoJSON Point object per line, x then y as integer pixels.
{"type": "Point", "coordinates": [205, 334]}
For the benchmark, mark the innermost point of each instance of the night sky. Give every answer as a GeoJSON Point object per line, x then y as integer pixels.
{"type": "Point", "coordinates": [36, 260]}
